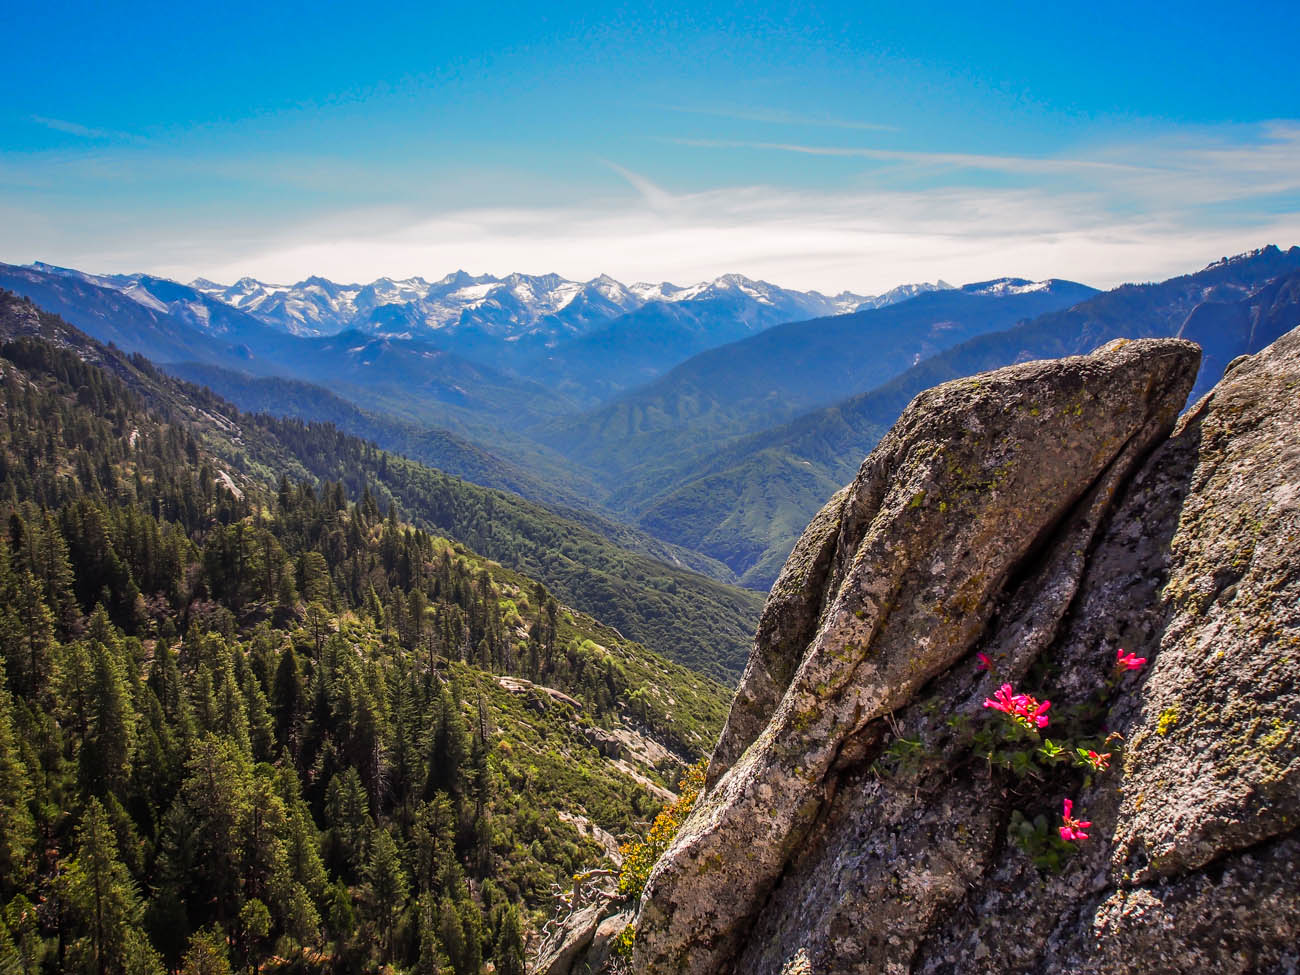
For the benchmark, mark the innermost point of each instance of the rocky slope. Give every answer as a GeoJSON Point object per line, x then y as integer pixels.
{"type": "Point", "coordinates": [867, 813]}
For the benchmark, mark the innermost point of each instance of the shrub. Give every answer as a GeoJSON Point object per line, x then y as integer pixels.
{"type": "Point", "coordinates": [640, 856]}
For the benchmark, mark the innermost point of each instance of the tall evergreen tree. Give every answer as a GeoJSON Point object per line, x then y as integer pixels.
{"type": "Point", "coordinates": [103, 901]}
{"type": "Point", "coordinates": [17, 828]}
{"type": "Point", "coordinates": [508, 954]}
{"type": "Point", "coordinates": [106, 750]}
{"type": "Point", "coordinates": [386, 887]}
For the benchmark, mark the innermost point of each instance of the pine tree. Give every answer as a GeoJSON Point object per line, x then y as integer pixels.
{"type": "Point", "coordinates": [450, 747]}
{"type": "Point", "coordinates": [432, 957]}
{"type": "Point", "coordinates": [386, 886]}
{"type": "Point", "coordinates": [17, 829]}
{"type": "Point", "coordinates": [214, 803]}
{"type": "Point", "coordinates": [31, 659]}
{"type": "Point", "coordinates": [342, 917]}
{"type": "Point", "coordinates": [471, 920]}
{"type": "Point", "coordinates": [433, 836]}
{"type": "Point", "coordinates": [348, 811]}
{"type": "Point", "coordinates": [451, 933]}
{"type": "Point", "coordinates": [254, 926]}
{"type": "Point", "coordinates": [509, 951]}
{"type": "Point", "coordinates": [286, 697]}
{"type": "Point", "coordinates": [101, 898]}
{"type": "Point", "coordinates": [206, 955]}
{"type": "Point", "coordinates": [106, 751]}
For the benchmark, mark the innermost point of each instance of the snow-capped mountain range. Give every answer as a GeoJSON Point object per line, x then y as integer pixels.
{"type": "Point", "coordinates": [538, 312]}
{"type": "Point", "coordinates": [546, 306]}
{"type": "Point", "coordinates": [585, 339]}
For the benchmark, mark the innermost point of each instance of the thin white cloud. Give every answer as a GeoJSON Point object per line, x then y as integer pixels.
{"type": "Point", "coordinates": [1191, 169]}
{"type": "Point", "coordinates": [779, 117]}
{"type": "Point", "coordinates": [77, 129]}
{"type": "Point", "coordinates": [655, 196]}
{"type": "Point", "coordinates": [961, 160]}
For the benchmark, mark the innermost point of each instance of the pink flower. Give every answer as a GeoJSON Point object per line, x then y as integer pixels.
{"type": "Point", "coordinates": [1036, 712]}
{"type": "Point", "coordinates": [1025, 710]}
{"type": "Point", "coordinates": [1128, 661]}
{"type": "Point", "coordinates": [1099, 762]}
{"type": "Point", "coordinates": [1073, 829]}
{"type": "Point", "coordinates": [985, 663]}
{"type": "Point", "coordinates": [1003, 699]}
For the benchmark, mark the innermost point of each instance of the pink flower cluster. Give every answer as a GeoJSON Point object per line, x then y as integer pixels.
{"type": "Point", "coordinates": [1024, 709]}
{"type": "Point", "coordinates": [1099, 763]}
{"type": "Point", "coordinates": [1128, 661]}
{"type": "Point", "coordinates": [1073, 829]}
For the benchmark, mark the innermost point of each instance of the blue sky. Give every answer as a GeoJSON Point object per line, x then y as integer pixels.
{"type": "Point", "coordinates": [831, 146]}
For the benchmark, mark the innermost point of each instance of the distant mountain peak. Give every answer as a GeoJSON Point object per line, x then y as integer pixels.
{"type": "Point", "coordinates": [893, 296]}
{"type": "Point", "coordinates": [1268, 250]}
{"type": "Point", "coordinates": [461, 278]}
{"type": "Point", "coordinates": [1007, 286]}
{"type": "Point", "coordinates": [50, 268]}
{"type": "Point", "coordinates": [732, 280]}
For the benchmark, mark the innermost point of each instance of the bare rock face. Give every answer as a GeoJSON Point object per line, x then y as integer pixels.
{"type": "Point", "coordinates": [1190, 866]}
{"type": "Point", "coordinates": [859, 816]}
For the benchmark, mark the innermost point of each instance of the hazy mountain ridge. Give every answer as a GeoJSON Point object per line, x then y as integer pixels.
{"type": "Point", "coordinates": [725, 455]}
{"type": "Point", "coordinates": [438, 449]}
{"type": "Point", "coordinates": [726, 504]}
{"type": "Point", "coordinates": [781, 372]}
{"type": "Point", "coordinates": [118, 312]}
{"type": "Point", "coordinates": [589, 340]}
{"type": "Point", "coordinates": [421, 381]}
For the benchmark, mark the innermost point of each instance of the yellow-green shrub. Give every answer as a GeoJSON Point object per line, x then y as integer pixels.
{"type": "Point", "coordinates": [640, 856]}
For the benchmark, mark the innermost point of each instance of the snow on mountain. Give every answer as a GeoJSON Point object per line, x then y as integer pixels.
{"type": "Point", "coordinates": [469, 310]}
{"type": "Point", "coordinates": [546, 307]}
{"type": "Point", "coordinates": [901, 293]}
{"type": "Point", "coordinates": [187, 303]}
{"type": "Point", "coordinates": [1006, 286]}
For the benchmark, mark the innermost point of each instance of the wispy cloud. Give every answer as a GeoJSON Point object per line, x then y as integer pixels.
{"type": "Point", "coordinates": [779, 117]}
{"type": "Point", "coordinates": [655, 196]}
{"type": "Point", "coordinates": [1187, 171]}
{"type": "Point", "coordinates": [77, 129]}
{"type": "Point", "coordinates": [961, 160]}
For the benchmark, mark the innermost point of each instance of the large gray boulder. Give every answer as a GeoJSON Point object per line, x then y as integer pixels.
{"type": "Point", "coordinates": [850, 825]}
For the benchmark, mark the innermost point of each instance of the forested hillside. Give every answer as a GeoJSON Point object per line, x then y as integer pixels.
{"type": "Point", "coordinates": [441, 450]}
{"type": "Point", "coordinates": [677, 612]}
{"type": "Point", "coordinates": [248, 721]}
